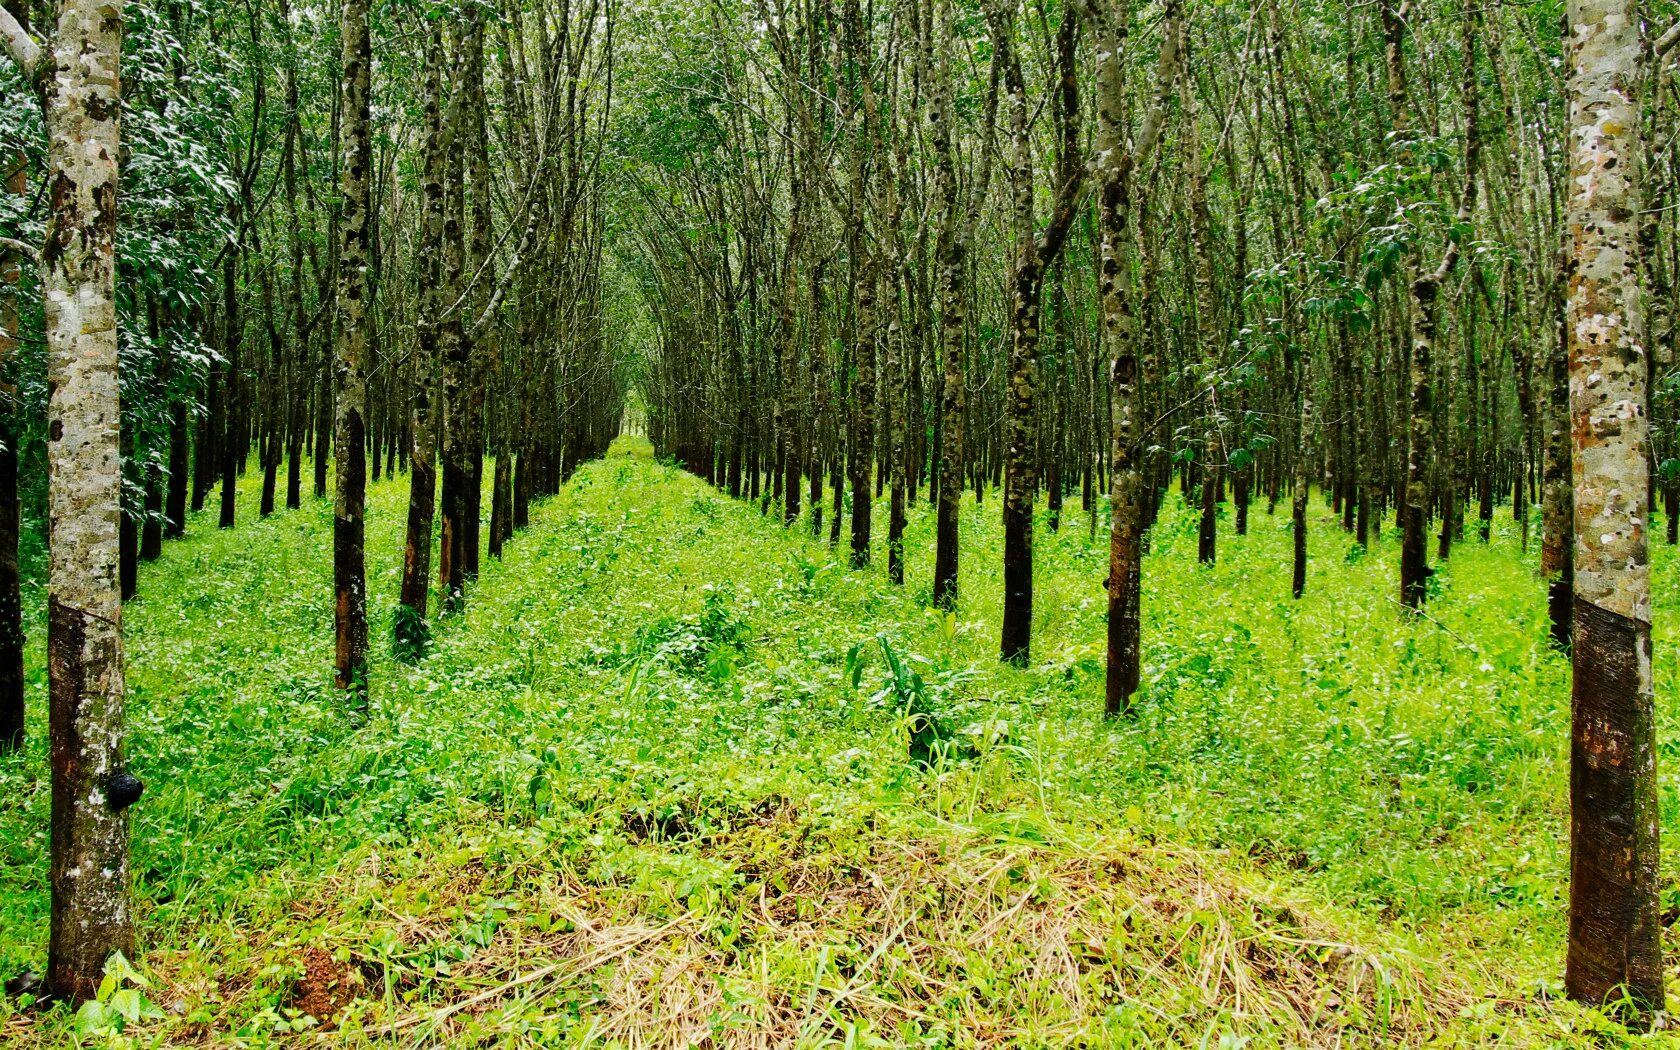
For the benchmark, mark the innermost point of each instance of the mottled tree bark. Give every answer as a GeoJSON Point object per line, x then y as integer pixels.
{"type": "Point", "coordinates": [1423, 293]}
{"type": "Point", "coordinates": [81, 102]}
{"type": "Point", "coordinates": [297, 392]}
{"type": "Point", "coordinates": [861, 438]}
{"type": "Point", "coordinates": [476, 146]}
{"type": "Point", "coordinates": [1209, 465]}
{"type": "Point", "coordinates": [1034, 251]}
{"type": "Point", "coordinates": [1615, 932]}
{"type": "Point", "coordinates": [349, 416]}
{"type": "Point", "coordinates": [1121, 336]}
{"type": "Point", "coordinates": [894, 282]}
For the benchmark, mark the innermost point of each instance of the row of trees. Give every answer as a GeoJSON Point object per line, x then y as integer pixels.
{"type": "Point", "coordinates": [282, 281]}
{"type": "Point", "coordinates": [1402, 252]}
{"type": "Point", "coordinates": [1103, 247]}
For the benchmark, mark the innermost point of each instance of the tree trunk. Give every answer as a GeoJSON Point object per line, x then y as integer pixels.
{"type": "Point", "coordinates": [233, 396]}
{"type": "Point", "coordinates": [90, 888]}
{"type": "Point", "coordinates": [1557, 506]}
{"type": "Point", "coordinates": [1033, 255]}
{"type": "Point", "coordinates": [12, 677]}
{"type": "Point", "coordinates": [349, 416]}
{"type": "Point", "coordinates": [409, 626]}
{"type": "Point", "coordinates": [1615, 931]}
{"type": "Point", "coordinates": [952, 249]}
{"type": "Point", "coordinates": [1120, 331]}
{"type": "Point", "coordinates": [1303, 443]}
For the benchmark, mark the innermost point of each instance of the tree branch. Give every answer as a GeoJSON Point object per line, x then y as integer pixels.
{"type": "Point", "coordinates": [22, 48]}
{"type": "Point", "coordinates": [22, 248]}
{"type": "Point", "coordinates": [1666, 42]}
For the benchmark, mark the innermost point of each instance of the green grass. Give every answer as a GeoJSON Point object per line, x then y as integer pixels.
{"type": "Point", "coordinates": [653, 789]}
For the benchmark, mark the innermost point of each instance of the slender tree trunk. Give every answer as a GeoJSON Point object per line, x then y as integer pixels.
{"type": "Point", "coordinates": [952, 248]}
{"type": "Point", "coordinates": [1033, 255]}
{"type": "Point", "coordinates": [233, 397]}
{"type": "Point", "coordinates": [206, 461]}
{"type": "Point", "coordinates": [349, 417]}
{"type": "Point", "coordinates": [274, 386]}
{"type": "Point", "coordinates": [12, 677]}
{"type": "Point", "coordinates": [297, 391]}
{"type": "Point", "coordinates": [175, 500]}
{"type": "Point", "coordinates": [409, 626]}
{"type": "Point", "coordinates": [860, 451]}
{"type": "Point", "coordinates": [456, 352]}
{"type": "Point", "coordinates": [1298, 508]}
{"type": "Point", "coordinates": [1209, 468]}
{"type": "Point", "coordinates": [1120, 329]}
{"type": "Point", "coordinates": [1557, 506]}
{"type": "Point", "coordinates": [483, 348]}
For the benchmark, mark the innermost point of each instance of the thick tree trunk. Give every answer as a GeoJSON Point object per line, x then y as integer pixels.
{"type": "Point", "coordinates": [1615, 930]}
{"type": "Point", "coordinates": [90, 889]}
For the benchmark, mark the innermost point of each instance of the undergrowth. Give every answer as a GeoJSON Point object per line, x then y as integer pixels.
{"type": "Point", "coordinates": [678, 778]}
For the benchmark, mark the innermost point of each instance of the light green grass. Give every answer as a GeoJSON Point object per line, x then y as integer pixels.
{"type": "Point", "coordinates": [633, 797]}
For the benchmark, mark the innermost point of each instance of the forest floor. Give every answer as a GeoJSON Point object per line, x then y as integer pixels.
{"type": "Point", "coordinates": [653, 790]}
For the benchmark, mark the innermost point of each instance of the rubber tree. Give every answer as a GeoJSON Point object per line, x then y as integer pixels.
{"type": "Point", "coordinates": [81, 98]}
{"type": "Point", "coordinates": [1034, 250]}
{"type": "Point", "coordinates": [1116, 168]}
{"type": "Point", "coordinates": [1615, 925]}
{"type": "Point", "coordinates": [350, 406]}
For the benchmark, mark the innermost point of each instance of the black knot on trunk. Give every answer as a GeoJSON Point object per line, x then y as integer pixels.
{"type": "Point", "coordinates": [123, 790]}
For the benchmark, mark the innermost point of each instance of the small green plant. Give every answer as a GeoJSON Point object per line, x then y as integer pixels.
{"type": "Point", "coordinates": [928, 733]}
{"type": "Point", "coordinates": [119, 1002]}
{"type": "Point", "coordinates": [410, 634]}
